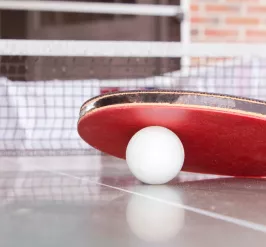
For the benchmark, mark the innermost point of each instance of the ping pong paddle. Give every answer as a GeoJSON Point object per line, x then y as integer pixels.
{"type": "Point", "coordinates": [221, 134]}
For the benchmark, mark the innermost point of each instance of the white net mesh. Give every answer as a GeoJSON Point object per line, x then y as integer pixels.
{"type": "Point", "coordinates": [43, 84]}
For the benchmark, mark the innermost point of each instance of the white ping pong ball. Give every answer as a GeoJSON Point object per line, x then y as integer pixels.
{"type": "Point", "coordinates": [155, 155]}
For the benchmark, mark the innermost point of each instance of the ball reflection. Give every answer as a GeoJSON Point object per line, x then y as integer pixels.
{"type": "Point", "coordinates": [154, 215]}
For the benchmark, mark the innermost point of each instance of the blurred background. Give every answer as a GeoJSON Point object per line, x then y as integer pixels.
{"type": "Point", "coordinates": [196, 45]}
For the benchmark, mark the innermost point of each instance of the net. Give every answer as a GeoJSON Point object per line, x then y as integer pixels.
{"type": "Point", "coordinates": [44, 83]}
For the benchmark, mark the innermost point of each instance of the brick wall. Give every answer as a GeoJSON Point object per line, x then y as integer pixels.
{"type": "Point", "coordinates": [228, 20]}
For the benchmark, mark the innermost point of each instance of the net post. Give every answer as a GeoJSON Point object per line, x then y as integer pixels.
{"type": "Point", "coordinates": [185, 32]}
